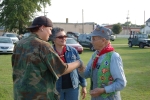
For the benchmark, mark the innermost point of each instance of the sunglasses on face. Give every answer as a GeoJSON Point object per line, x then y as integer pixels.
{"type": "Point", "coordinates": [61, 37]}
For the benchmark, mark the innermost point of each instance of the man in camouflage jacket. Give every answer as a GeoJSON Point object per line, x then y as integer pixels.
{"type": "Point", "coordinates": [36, 66]}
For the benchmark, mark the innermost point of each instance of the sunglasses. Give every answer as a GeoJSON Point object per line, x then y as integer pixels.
{"type": "Point", "coordinates": [61, 37]}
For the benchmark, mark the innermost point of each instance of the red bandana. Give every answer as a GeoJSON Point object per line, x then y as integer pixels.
{"type": "Point", "coordinates": [107, 49]}
{"type": "Point", "coordinates": [61, 55]}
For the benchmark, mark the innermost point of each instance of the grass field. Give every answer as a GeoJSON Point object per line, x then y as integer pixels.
{"type": "Point", "coordinates": [120, 41]}
{"type": "Point", "coordinates": [136, 66]}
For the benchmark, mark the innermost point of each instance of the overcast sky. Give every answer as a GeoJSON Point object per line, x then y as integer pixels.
{"type": "Point", "coordinates": [99, 11]}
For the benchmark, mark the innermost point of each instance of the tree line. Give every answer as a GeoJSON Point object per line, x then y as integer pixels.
{"type": "Point", "coordinates": [16, 15]}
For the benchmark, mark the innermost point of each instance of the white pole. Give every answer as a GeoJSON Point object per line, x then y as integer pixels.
{"type": "Point", "coordinates": [144, 22]}
{"type": "Point", "coordinates": [82, 22]}
{"type": "Point", "coordinates": [127, 22]}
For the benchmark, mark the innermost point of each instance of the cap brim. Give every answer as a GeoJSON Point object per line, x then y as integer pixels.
{"type": "Point", "coordinates": [93, 34]}
{"type": "Point", "coordinates": [32, 27]}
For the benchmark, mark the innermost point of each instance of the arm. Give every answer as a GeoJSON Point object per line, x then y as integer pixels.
{"type": "Point", "coordinates": [83, 92]}
{"type": "Point", "coordinates": [72, 66]}
{"type": "Point", "coordinates": [83, 84]}
{"type": "Point", "coordinates": [97, 92]}
{"type": "Point", "coordinates": [117, 72]}
{"type": "Point", "coordinates": [54, 62]}
{"type": "Point", "coordinates": [82, 80]}
{"type": "Point", "coordinates": [86, 72]}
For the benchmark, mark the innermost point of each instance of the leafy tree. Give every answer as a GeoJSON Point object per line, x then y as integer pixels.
{"type": "Point", "coordinates": [127, 23]}
{"type": "Point", "coordinates": [15, 15]}
{"type": "Point", "coordinates": [117, 28]}
{"type": "Point", "coordinates": [142, 26]}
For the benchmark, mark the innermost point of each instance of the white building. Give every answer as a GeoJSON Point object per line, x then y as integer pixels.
{"type": "Point", "coordinates": [146, 29]}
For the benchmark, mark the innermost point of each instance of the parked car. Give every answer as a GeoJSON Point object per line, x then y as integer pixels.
{"type": "Point", "coordinates": [13, 36]}
{"type": "Point", "coordinates": [85, 41]}
{"type": "Point", "coordinates": [112, 37]}
{"type": "Point", "coordinates": [140, 40]}
{"type": "Point", "coordinates": [25, 35]}
{"type": "Point", "coordinates": [73, 35]}
{"type": "Point", "coordinates": [72, 42]}
{"type": "Point", "coordinates": [6, 45]}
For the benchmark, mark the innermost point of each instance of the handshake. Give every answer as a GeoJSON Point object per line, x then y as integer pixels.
{"type": "Point", "coordinates": [73, 65]}
{"type": "Point", "coordinates": [81, 68]}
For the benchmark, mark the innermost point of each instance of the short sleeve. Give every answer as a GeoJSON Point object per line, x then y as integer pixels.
{"type": "Point", "coordinates": [52, 60]}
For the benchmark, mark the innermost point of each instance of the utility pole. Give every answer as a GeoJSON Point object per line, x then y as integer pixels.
{"type": "Point", "coordinates": [82, 22]}
{"type": "Point", "coordinates": [127, 22]}
{"type": "Point", "coordinates": [45, 13]}
{"type": "Point", "coordinates": [144, 17]}
{"type": "Point", "coordinates": [144, 23]}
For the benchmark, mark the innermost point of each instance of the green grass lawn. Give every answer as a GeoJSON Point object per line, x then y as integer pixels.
{"type": "Point", "coordinates": [136, 66]}
{"type": "Point", "coordinates": [120, 41]}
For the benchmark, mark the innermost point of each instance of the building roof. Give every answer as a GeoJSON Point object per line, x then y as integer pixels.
{"type": "Point", "coordinates": [148, 20]}
{"type": "Point", "coordinates": [91, 23]}
{"type": "Point", "coordinates": [109, 26]}
{"type": "Point", "coordinates": [135, 29]}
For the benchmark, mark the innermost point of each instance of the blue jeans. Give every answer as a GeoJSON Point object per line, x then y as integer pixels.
{"type": "Point", "coordinates": [69, 94]}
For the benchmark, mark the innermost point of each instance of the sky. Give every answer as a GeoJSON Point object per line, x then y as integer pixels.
{"type": "Point", "coordinates": [98, 11]}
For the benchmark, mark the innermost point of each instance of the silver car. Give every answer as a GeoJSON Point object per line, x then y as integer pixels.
{"type": "Point", "coordinates": [13, 36]}
{"type": "Point", "coordinates": [26, 35]}
{"type": "Point", "coordinates": [6, 45]}
{"type": "Point", "coordinates": [112, 37]}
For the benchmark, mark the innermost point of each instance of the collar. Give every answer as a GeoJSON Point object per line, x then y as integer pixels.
{"type": "Point", "coordinates": [67, 47]}
{"type": "Point", "coordinates": [35, 35]}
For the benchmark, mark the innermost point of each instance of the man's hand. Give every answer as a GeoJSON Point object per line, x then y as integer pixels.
{"type": "Point", "coordinates": [83, 92]}
{"type": "Point", "coordinates": [97, 92]}
{"type": "Point", "coordinates": [81, 69]}
{"type": "Point", "coordinates": [81, 63]}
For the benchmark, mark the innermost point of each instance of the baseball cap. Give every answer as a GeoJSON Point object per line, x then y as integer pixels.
{"type": "Point", "coordinates": [41, 20]}
{"type": "Point", "coordinates": [102, 32]}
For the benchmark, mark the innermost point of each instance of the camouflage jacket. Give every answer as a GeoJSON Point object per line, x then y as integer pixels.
{"type": "Point", "coordinates": [36, 67]}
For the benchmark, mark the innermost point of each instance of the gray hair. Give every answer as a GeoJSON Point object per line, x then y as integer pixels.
{"type": "Point", "coordinates": [55, 31]}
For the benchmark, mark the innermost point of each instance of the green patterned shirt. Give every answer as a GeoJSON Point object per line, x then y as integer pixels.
{"type": "Point", "coordinates": [36, 67]}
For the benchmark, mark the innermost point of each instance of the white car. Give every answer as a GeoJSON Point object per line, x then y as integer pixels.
{"type": "Point", "coordinates": [26, 35]}
{"type": "Point", "coordinates": [13, 37]}
{"type": "Point", "coordinates": [112, 37]}
{"type": "Point", "coordinates": [6, 45]}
